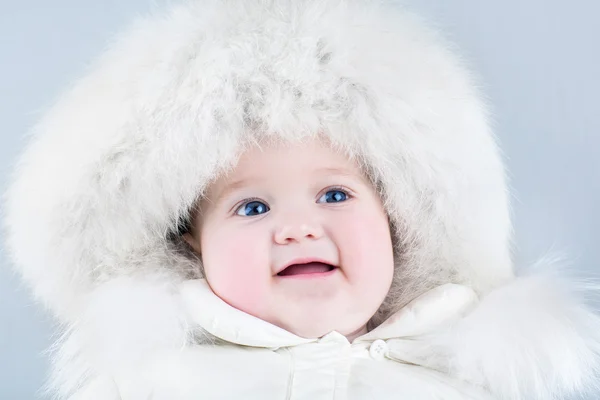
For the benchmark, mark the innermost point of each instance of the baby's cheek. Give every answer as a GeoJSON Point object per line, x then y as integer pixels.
{"type": "Point", "coordinates": [367, 245]}
{"type": "Point", "coordinates": [239, 274]}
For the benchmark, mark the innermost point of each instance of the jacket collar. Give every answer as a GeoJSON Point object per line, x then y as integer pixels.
{"type": "Point", "coordinates": [425, 315]}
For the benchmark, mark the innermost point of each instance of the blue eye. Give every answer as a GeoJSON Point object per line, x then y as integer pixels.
{"type": "Point", "coordinates": [333, 196]}
{"type": "Point", "coordinates": [252, 208]}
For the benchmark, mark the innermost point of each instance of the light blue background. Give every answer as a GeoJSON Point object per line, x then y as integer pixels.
{"type": "Point", "coordinates": [539, 59]}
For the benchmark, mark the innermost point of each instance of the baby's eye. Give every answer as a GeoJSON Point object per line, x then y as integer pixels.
{"type": "Point", "coordinates": [252, 208]}
{"type": "Point", "coordinates": [333, 196]}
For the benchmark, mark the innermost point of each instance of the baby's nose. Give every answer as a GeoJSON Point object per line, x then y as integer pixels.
{"type": "Point", "coordinates": [297, 232]}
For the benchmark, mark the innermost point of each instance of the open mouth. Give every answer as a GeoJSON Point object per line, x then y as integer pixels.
{"type": "Point", "coordinates": [307, 269]}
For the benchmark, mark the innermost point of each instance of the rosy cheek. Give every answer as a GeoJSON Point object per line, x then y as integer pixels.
{"type": "Point", "coordinates": [367, 244]}
{"type": "Point", "coordinates": [237, 271]}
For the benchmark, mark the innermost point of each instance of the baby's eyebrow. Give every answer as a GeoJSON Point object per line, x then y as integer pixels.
{"type": "Point", "coordinates": [334, 170]}
{"type": "Point", "coordinates": [231, 187]}
{"type": "Point", "coordinates": [343, 172]}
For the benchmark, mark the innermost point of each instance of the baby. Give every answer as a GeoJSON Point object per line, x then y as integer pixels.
{"type": "Point", "coordinates": [280, 199]}
{"type": "Point", "coordinates": [297, 236]}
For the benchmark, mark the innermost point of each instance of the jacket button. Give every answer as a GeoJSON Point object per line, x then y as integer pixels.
{"type": "Point", "coordinates": [378, 349]}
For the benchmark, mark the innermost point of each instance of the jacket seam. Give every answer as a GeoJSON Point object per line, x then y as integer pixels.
{"type": "Point", "coordinates": [290, 384]}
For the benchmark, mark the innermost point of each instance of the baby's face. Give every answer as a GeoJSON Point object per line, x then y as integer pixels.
{"type": "Point", "coordinates": [296, 235]}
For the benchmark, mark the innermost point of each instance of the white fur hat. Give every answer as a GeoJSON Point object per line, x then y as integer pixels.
{"type": "Point", "coordinates": [115, 165]}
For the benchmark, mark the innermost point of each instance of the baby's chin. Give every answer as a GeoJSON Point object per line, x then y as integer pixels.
{"type": "Point", "coordinates": [312, 319]}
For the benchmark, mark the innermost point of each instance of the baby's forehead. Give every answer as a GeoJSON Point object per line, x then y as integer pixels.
{"type": "Point", "coordinates": [288, 163]}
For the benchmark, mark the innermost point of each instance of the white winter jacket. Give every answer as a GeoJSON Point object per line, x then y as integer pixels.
{"type": "Point", "coordinates": [111, 173]}
{"type": "Point", "coordinates": [257, 360]}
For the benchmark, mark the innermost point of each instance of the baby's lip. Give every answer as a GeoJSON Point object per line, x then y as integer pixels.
{"type": "Point", "coordinates": [305, 260]}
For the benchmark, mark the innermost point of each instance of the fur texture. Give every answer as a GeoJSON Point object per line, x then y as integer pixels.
{"type": "Point", "coordinates": [534, 338]}
{"type": "Point", "coordinates": [114, 167]}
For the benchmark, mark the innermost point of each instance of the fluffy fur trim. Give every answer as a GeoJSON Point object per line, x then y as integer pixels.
{"type": "Point", "coordinates": [124, 322]}
{"type": "Point", "coordinates": [116, 164]}
{"type": "Point", "coordinates": [535, 338]}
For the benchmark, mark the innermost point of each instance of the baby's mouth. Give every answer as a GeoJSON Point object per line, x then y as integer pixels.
{"type": "Point", "coordinates": [306, 269]}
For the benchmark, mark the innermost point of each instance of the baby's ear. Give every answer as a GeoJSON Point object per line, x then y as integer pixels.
{"type": "Point", "coordinates": [192, 241]}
